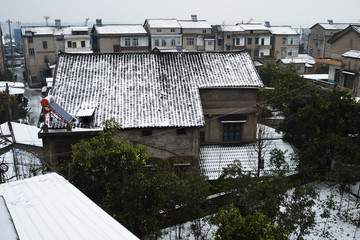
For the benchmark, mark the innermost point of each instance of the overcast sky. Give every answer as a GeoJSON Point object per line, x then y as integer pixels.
{"type": "Point", "coordinates": [303, 13]}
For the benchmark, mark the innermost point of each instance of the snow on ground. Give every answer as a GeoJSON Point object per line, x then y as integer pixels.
{"type": "Point", "coordinates": [340, 225]}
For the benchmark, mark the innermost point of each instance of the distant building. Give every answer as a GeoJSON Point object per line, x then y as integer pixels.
{"type": "Point", "coordinates": [110, 38]}
{"type": "Point", "coordinates": [196, 35]}
{"type": "Point", "coordinates": [165, 34]}
{"type": "Point", "coordinates": [229, 37]}
{"type": "Point", "coordinates": [2, 54]}
{"type": "Point", "coordinates": [318, 46]}
{"type": "Point", "coordinates": [42, 45]}
{"type": "Point", "coordinates": [285, 42]}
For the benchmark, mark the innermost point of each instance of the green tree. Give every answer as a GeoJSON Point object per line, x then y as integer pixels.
{"type": "Point", "coordinates": [232, 225]}
{"type": "Point", "coordinates": [11, 109]}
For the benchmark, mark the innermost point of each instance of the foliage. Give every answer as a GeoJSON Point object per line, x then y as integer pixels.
{"type": "Point", "coordinates": [11, 109]}
{"type": "Point", "coordinates": [232, 225]}
{"type": "Point", "coordinates": [284, 81]}
{"type": "Point", "coordinates": [8, 76]}
{"type": "Point", "coordinates": [324, 126]}
{"type": "Point", "coordinates": [115, 174]}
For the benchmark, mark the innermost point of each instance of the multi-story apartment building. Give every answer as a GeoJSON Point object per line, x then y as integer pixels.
{"type": "Point", "coordinates": [42, 45]}
{"type": "Point", "coordinates": [318, 46]}
{"type": "Point", "coordinates": [258, 40]}
{"type": "Point", "coordinates": [229, 37]}
{"type": "Point", "coordinates": [165, 34]}
{"type": "Point", "coordinates": [2, 55]}
{"type": "Point", "coordinates": [285, 42]}
{"type": "Point", "coordinates": [110, 38]}
{"type": "Point", "coordinates": [196, 35]}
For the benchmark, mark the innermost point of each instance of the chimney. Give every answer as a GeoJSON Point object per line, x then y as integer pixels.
{"type": "Point", "coordinates": [330, 21]}
{"type": "Point", "coordinates": [267, 24]}
{"type": "Point", "coordinates": [194, 17]}
{"type": "Point", "coordinates": [98, 21]}
{"type": "Point", "coordinates": [58, 23]}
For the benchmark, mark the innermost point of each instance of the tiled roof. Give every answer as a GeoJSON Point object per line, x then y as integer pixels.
{"type": "Point", "coordinates": [214, 158]}
{"type": "Point", "coordinates": [120, 29]}
{"type": "Point", "coordinates": [163, 23]}
{"type": "Point", "coordinates": [352, 54]}
{"type": "Point", "coordinates": [194, 24]}
{"type": "Point", "coordinates": [147, 89]}
{"type": "Point", "coordinates": [49, 207]}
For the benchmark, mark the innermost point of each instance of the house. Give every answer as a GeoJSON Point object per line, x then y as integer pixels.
{"type": "Point", "coordinates": [320, 33]}
{"type": "Point", "coordinates": [165, 34]}
{"type": "Point", "coordinates": [196, 35]}
{"type": "Point", "coordinates": [42, 45]}
{"type": "Point", "coordinates": [345, 48]}
{"type": "Point", "coordinates": [2, 54]}
{"type": "Point", "coordinates": [169, 102]}
{"type": "Point", "coordinates": [229, 37]}
{"type": "Point", "coordinates": [258, 40]}
{"type": "Point", "coordinates": [303, 63]}
{"type": "Point", "coordinates": [49, 207]}
{"type": "Point", "coordinates": [285, 42]}
{"type": "Point", "coordinates": [110, 38]}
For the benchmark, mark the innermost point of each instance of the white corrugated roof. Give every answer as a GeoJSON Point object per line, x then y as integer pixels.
{"type": "Point", "coordinates": [214, 158]}
{"type": "Point", "coordinates": [147, 89]}
{"type": "Point", "coordinates": [230, 28]}
{"type": "Point", "coordinates": [283, 30]}
{"type": "Point", "coordinates": [49, 207]}
{"type": "Point", "coordinates": [334, 26]}
{"type": "Point", "coordinates": [194, 24]}
{"type": "Point", "coordinates": [301, 59]}
{"type": "Point", "coordinates": [23, 134]}
{"type": "Point", "coordinates": [120, 29]}
{"type": "Point", "coordinates": [43, 30]}
{"type": "Point", "coordinates": [253, 26]}
{"type": "Point", "coordinates": [351, 54]}
{"type": "Point", "coordinates": [163, 23]}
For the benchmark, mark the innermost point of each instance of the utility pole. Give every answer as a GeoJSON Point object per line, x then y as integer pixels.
{"type": "Point", "coordinates": [11, 47]}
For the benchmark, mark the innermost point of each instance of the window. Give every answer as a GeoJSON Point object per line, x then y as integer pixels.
{"type": "Point", "coordinates": [158, 30]}
{"type": "Point", "coordinates": [172, 30]}
{"type": "Point", "coordinates": [257, 41]}
{"type": "Point", "coordinates": [292, 52]}
{"type": "Point", "coordinates": [69, 44]}
{"type": "Point", "coordinates": [228, 36]}
{"type": "Point", "coordinates": [231, 131]}
{"type": "Point", "coordinates": [83, 44]}
{"type": "Point", "coordinates": [74, 45]}
{"type": "Point", "coordinates": [349, 80]}
{"type": "Point", "coordinates": [284, 40]}
{"type": "Point", "coordinates": [147, 133]}
{"type": "Point", "coordinates": [239, 41]}
{"type": "Point", "coordinates": [318, 52]}
{"type": "Point", "coordinates": [156, 42]}
{"type": "Point", "coordinates": [228, 47]}
{"type": "Point", "coordinates": [181, 131]}
{"type": "Point", "coordinates": [163, 42]}
{"type": "Point", "coordinates": [249, 41]}
{"type": "Point", "coordinates": [249, 52]}
{"type": "Point", "coordinates": [190, 41]}
{"type": "Point", "coordinates": [30, 40]}
{"type": "Point", "coordinates": [46, 59]}
{"type": "Point", "coordinates": [256, 53]}
{"type": "Point", "coordinates": [31, 52]}
{"type": "Point", "coordinates": [116, 48]}
{"type": "Point", "coordinates": [44, 44]}
{"type": "Point", "coordinates": [220, 42]}
{"type": "Point", "coordinates": [263, 41]}
{"type": "Point", "coordinates": [283, 51]}
{"type": "Point", "coordinates": [204, 31]}
{"type": "Point", "coordinates": [210, 43]}
{"type": "Point", "coordinates": [337, 76]}
{"type": "Point", "coordinates": [135, 42]}
{"type": "Point", "coordinates": [173, 42]}
{"type": "Point", "coordinates": [293, 40]}
{"type": "Point", "coordinates": [127, 42]}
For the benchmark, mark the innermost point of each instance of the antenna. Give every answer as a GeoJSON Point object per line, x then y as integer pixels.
{"type": "Point", "coordinates": [86, 21]}
{"type": "Point", "coordinates": [46, 19]}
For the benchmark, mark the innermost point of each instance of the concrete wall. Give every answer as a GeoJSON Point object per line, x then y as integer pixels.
{"type": "Point", "coordinates": [349, 41]}
{"type": "Point", "coordinates": [318, 46]}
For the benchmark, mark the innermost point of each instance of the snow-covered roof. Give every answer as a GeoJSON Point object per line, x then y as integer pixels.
{"type": "Point", "coordinates": [23, 134]}
{"type": "Point", "coordinates": [352, 54]}
{"type": "Point", "coordinates": [147, 89]}
{"type": "Point", "coordinates": [194, 24]}
{"type": "Point", "coordinates": [49, 207]}
{"type": "Point", "coordinates": [334, 26]}
{"type": "Point", "coordinates": [12, 84]}
{"type": "Point", "coordinates": [14, 90]}
{"type": "Point", "coordinates": [163, 23]}
{"type": "Point", "coordinates": [254, 26]}
{"type": "Point", "coordinates": [120, 29]}
{"type": "Point", "coordinates": [44, 30]}
{"type": "Point", "coordinates": [214, 158]}
{"type": "Point", "coordinates": [300, 59]}
{"type": "Point", "coordinates": [283, 30]}
{"type": "Point", "coordinates": [230, 28]}
{"type": "Point", "coordinates": [316, 76]}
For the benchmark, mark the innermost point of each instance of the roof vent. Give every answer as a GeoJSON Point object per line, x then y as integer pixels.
{"type": "Point", "coordinates": [58, 23]}
{"type": "Point", "coordinates": [98, 21]}
{"type": "Point", "coordinates": [267, 24]}
{"type": "Point", "coordinates": [330, 21]}
{"type": "Point", "coordinates": [194, 17]}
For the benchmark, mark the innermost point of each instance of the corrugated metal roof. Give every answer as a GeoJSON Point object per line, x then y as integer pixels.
{"type": "Point", "coordinates": [194, 24]}
{"type": "Point", "coordinates": [43, 30]}
{"type": "Point", "coordinates": [283, 30]}
{"type": "Point", "coordinates": [120, 29]}
{"type": "Point", "coordinates": [49, 207]}
{"type": "Point", "coordinates": [146, 89]}
{"type": "Point", "coordinates": [163, 23]}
